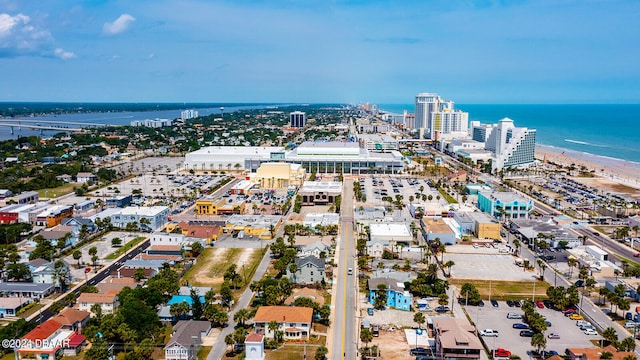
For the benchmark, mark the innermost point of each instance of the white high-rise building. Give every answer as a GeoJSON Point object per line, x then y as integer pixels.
{"type": "Point", "coordinates": [426, 105]}
{"type": "Point", "coordinates": [189, 114]}
{"type": "Point", "coordinates": [512, 146]}
{"type": "Point", "coordinates": [447, 122]}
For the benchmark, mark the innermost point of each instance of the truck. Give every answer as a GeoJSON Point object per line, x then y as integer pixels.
{"type": "Point", "coordinates": [519, 262]}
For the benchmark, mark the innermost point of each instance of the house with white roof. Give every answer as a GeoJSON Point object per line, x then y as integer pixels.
{"type": "Point", "coordinates": [157, 217]}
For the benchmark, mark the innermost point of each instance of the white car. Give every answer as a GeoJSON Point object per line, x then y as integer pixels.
{"type": "Point", "coordinates": [489, 332]}
{"type": "Point", "coordinates": [590, 332]}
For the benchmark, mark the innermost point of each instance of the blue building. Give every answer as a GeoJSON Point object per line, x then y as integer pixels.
{"type": "Point", "coordinates": [397, 297]}
{"type": "Point", "coordinates": [513, 205]}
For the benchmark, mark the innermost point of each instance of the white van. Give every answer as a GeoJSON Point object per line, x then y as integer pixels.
{"type": "Point", "coordinates": [513, 315]}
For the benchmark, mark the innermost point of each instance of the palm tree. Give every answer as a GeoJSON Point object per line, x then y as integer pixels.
{"type": "Point", "coordinates": [538, 341]}
{"type": "Point", "coordinates": [572, 262]}
{"type": "Point", "coordinates": [449, 264]}
{"type": "Point", "coordinates": [366, 336]}
{"type": "Point", "coordinates": [606, 355]}
{"type": "Point", "coordinates": [441, 249]}
{"type": "Point", "coordinates": [516, 244]}
{"type": "Point", "coordinates": [542, 267]}
{"type": "Point", "coordinates": [419, 318]}
{"type": "Point", "coordinates": [610, 334]}
{"type": "Point", "coordinates": [229, 340]}
{"type": "Point", "coordinates": [241, 316]}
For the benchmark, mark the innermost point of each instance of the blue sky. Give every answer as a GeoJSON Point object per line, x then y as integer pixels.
{"type": "Point", "coordinates": [348, 51]}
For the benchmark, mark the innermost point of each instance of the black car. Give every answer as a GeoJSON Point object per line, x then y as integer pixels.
{"type": "Point", "coordinates": [526, 333]}
{"type": "Point", "coordinates": [511, 303]}
{"type": "Point", "coordinates": [579, 283]}
{"type": "Point", "coordinates": [517, 303]}
{"type": "Point", "coordinates": [494, 303]}
{"type": "Point", "coordinates": [419, 351]}
{"type": "Point", "coordinates": [442, 309]}
{"type": "Point", "coordinates": [547, 304]}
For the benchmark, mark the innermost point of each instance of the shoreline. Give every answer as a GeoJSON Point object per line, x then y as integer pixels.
{"type": "Point", "coordinates": [616, 170]}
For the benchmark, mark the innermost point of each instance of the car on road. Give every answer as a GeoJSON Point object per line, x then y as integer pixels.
{"type": "Point", "coordinates": [636, 255]}
{"type": "Point", "coordinates": [442, 309]}
{"type": "Point", "coordinates": [370, 311]}
{"type": "Point", "coordinates": [554, 336]}
{"type": "Point", "coordinates": [539, 304]}
{"type": "Point", "coordinates": [579, 283]}
{"type": "Point", "coordinates": [590, 332]}
{"type": "Point", "coordinates": [521, 326]}
{"type": "Point", "coordinates": [494, 303]}
{"type": "Point", "coordinates": [350, 271]}
{"type": "Point", "coordinates": [576, 317]}
{"type": "Point", "coordinates": [500, 352]}
{"type": "Point", "coordinates": [489, 332]}
{"type": "Point", "coordinates": [526, 333]}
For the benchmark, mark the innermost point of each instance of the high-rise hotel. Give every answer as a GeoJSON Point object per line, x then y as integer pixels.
{"type": "Point", "coordinates": [435, 116]}
{"type": "Point", "coordinates": [512, 146]}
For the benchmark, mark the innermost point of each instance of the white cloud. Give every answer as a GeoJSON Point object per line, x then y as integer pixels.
{"type": "Point", "coordinates": [120, 25]}
{"type": "Point", "coordinates": [19, 37]}
{"type": "Point", "coordinates": [64, 55]}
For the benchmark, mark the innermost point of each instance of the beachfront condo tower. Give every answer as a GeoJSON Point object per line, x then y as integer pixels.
{"type": "Point", "coordinates": [427, 104]}
{"type": "Point", "coordinates": [512, 146]}
{"type": "Point", "coordinates": [448, 122]}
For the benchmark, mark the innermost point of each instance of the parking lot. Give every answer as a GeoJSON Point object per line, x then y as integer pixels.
{"type": "Point", "coordinates": [384, 186]}
{"type": "Point", "coordinates": [489, 317]}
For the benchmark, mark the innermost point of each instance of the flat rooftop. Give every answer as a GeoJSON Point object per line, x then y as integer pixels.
{"type": "Point", "coordinates": [390, 229]}
{"type": "Point", "coordinates": [436, 225]}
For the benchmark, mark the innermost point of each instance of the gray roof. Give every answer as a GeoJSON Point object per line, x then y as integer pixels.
{"type": "Point", "coordinates": [392, 284]}
{"type": "Point", "coordinates": [24, 287]}
{"type": "Point", "coordinates": [135, 263]}
{"type": "Point", "coordinates": [185, 329]}
{"type": "Point", "coordinates": [317, 262]}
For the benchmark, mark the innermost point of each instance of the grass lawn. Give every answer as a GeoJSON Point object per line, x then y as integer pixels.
{"type": "Point", "coordinates": [32, 309]}
{"type": "Point", "coordinates": [504, 290]}
{"type": "Point", "coordinates": [125, 248]}
{"type": "Point", "coordinates": [203, 352]}
{"type": "Point", "coordinates": [58, 191]}
{"type": "Point", "coordinates": [211, 265]}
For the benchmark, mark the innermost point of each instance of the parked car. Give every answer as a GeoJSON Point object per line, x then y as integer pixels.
{"type": "Point", "coordinates": [442, 309]}
{"type": "Point", "coordinates": [548, 323]}
{"type": "Point", "coordinates": [520, 326]}
{"type": "Point", "coordinates": [370, 311]}
{"type": "Point", "coordinates": [526, 333]}
{"type": "Point", "coordinates": [511, 303]}
{"type": "Point", "coordinates": [569, 311]}
{"type": "Point", "coordinates": [513, 315]}
{"type": "Point", "coordinates": [419, 351]}
{"type": "Point", "coordinates": [539, 304]}
{"type": "Point", "coordinates": [576, 317]}
{"type": "Point", "coordinates": [590, 332]}
{"type": "Point", "coordinates": [554, 336]}
{"type": "Point", "coordinates": [500, 352]}
{"type": "Point", "coordinates": [494, 303]}
{"type": "Point", "coordinates": [631, 324]}
{"type": "Point", "coordinates": [489, 332]}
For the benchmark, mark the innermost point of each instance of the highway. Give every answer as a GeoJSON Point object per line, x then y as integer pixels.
{"type": "Point", "coordinates": [344, 324]}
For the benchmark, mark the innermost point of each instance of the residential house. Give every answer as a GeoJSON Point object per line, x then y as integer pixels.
{"type": "Point", "coordinates": [254, 347]}
{"type": "Point", "coordinates": [72, 319]}
{"type": "Point", "coordinates": [375, 248]}
{"type": "Point", "coordinates": [112, 285]}
{"type": "Point", "coordinates": [58, 232]}
{"type": "Point", "coordinates": [32, 291]}
{"type": "Point", "coordinates": [455, 338]}
{"type": "Point", "coordinates": [64, 177]}
{"type": "Point", "coordinates": [200, 231]}
{"type": "Point", "coordinates": [294, 321]}
{"type": "Point", "coordinates": [108, 302]}
{"type": "Point", "coordinates": [84, 177]}
{"type": "Point", "coordinates": [128, 272]}
{"type": "Point", "coordinates": [459, 176]}
{"type": "Point", "coordinates": [186, 339]}
{"type": "Point", "coordinates": [316, 249]}
{"type": "Point", "coordinates": [80, 223]}
{"type": "Point", "coordinates": [310, 270]}
{"type": "Point", "coordinates": [9, 306]}
{"type": "Point", "coordinates": [397, 296]}
{"type": "Point", "coordinates": [48, 274]}
{"type": "Point", "coordinates": [45, 341]}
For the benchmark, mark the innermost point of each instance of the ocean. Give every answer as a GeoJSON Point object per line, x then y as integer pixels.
{"type": "Point", "coordinates": [605, 130]}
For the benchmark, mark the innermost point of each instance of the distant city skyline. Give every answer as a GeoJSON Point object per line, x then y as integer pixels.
{"type": "Point", "coordinates": [341, 51]}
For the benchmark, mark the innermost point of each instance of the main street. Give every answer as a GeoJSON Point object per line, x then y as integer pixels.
{"type": "Point", "coordinates": [344, 324]}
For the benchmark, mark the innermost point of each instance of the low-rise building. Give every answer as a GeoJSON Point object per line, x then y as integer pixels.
{"type": "Point", "coordinates": [254, 347]}
{"type": "Point", "coordinates": [108, 302]}
{"type": "Point", "coordinates": [554, 234]}
{"type": "Point", "coordinates": [262, 226]}
{"type": "Point", "coordinates": [72, 319]}
{"type": "Point", "coordinates": [54, 215]}
{"type": "Point", "coordinates": [242, 187]}
{"type": "Point", "coordinates": [154, 217]}
{"type": "Point", "coordinates": [313, 294]}
{"type": "Point", "coordinates": [394, 233]}
{"type": "Point", "coordinates": [319, 192]}
{"type": "Point", "coordinates": [479, 224]}
{"type": "Point", "coordinates": [119, 201]}
{"type": "Point", "coordinates": [397, 296]}
{"type": "Point", "coordinates": [48, 274]}
{"type": "Point", "coordinates": [84, 177]}
{"type": "Point", "coordinates": [316, 249]}
{"type": "Point", "coordinates": [45, 341]}
{"type": "Point", "coordinates": [219, 206]}
{"type": "Point", "coordinates": [32, 291]}
{"type": "Point", "coordinates": [512, 205]}
{"type": "Point", "coordinates": [9, 306]}
{"type": "Point", "coordinates": [310, 270]}
{"type": "Point", "coordinates": [595, 353]}
{"type": "Point", "coordinates": [436, 227]}
{"type": "Point", "coordinates": [279, 175]}
{"type": "Point", "coordinates": [455, 339]}
{"type": "Point", "coordinates": [186, 339]}
{"type": "Point", "coordinates": [375, 248]}
{"type": "Point", "coordinates": [294, 321]}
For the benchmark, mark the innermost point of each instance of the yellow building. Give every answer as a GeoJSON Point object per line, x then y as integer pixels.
{"type": "Point", "coordinates": [279, 175]}
{"type": "Point", "coordinates": [261, 226]}
{"type": "Point", "coordinates": [212, 206]}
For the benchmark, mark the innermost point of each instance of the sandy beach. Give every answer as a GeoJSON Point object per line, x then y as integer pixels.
{"type": "Point", "coordinates": [610, 171]}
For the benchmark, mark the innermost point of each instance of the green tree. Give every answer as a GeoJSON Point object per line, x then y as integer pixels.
{"type": "Point", "coordinates": [196, 306]}
{"type": "Point", "coordinates": [606, 355]}
{"type": "Point", "coordinates": [610, 335]}
{"type": "Point", "coordinates": [380, 300]}
{"type": "Point", "coordinates": [19, 272]}
{"type": "Point", "coordinates": [77, 255]}
{"type": "Point", "coordinates": [241, 316]}
{"type": "Point", "coordinates": [628, 344]}
{"type": "Point", "coordinates": [116, 241]}
{"type": "Point", "coordinates": [366, 336]}
{"type": "Point", "coordinates": [226, 294]}
{"type": "Point", "coordinates": [196, 249]}
{"type": "Point", "coordinates": [538, 341]}
{"type": "Point", "coordinates": [418, 317]}
{"type": "Point", "coordinates": [321, 353]}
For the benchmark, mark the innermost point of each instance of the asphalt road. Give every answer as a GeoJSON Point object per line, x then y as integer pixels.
{"type": "Point", "coordinates": [45, 313]}
{"type": "Point", "coordinates": [344, 342]}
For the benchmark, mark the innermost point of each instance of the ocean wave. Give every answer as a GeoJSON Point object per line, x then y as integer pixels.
{"type": "Point", "coordinates": [584, 143]}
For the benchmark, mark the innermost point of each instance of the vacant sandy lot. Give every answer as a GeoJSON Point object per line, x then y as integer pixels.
{"type": "Point", "coordinates": [217, 262]}
{"type": "Point", "coordinates": [393, 344]}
